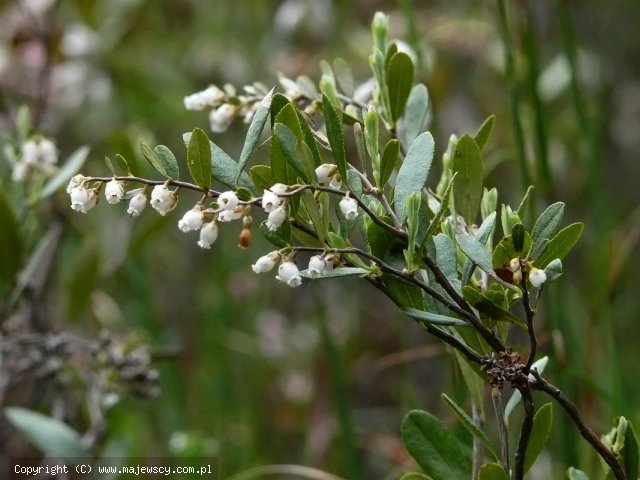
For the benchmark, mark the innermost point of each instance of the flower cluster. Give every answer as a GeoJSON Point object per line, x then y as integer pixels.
{"type": "Point", "coordinates": [37, 154]}
{"type": "Point", "coordinates": [536, 276]}
{"type": "Point", "coordinates": [288, 272]}
{"type": "Point", "coordinates": [226, 104]}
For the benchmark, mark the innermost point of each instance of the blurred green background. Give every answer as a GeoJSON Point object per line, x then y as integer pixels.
{"type": "Point", "coordinates": [257, 373]}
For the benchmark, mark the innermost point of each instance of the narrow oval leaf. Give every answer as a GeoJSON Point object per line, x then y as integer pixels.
{"type": "Point", "coordinates": [261, 176]}
{"type": "Point", "coordinates": [281, 238]}
{"type": "Point", "coordinates": [400, 71]}
{"type": "Point", "coordinates": [288, 143]}
{"type": "Point", "coordinates": [468, 423]}
{"type": "Point", "coordinates": [484, 305]}
{"type": "Point", "coordinates": [630, 452]}
{"type": "Point", "coordinates": [339, 272]}
{"type": "Point", "coordinates": [413, 171]}
{"type": "Point", "coordinates": [435, 448]}
{"type": "Point", "coordinates": [540, 431]}
{"type": "Point", "coordinates": [479, 255]}
{"type": "Point", "coordinates": [484, 236]}
{"type": "Point", "coordinates": [254, 132]}
{"type": "Point", "coordinates": [545, 227]}
{"type": "Point", "coordinates": [517, 237]}
{"type": "Point", "coordinates": [434, 318]}
{"type": "Point", "coordinates": [389, 161]}
{"type": "Point", "coordinates": [416, 113]}
{"type": "Point", "coordinates": [484, 132]}
{"type": "Point", "coordinates": [224, 168]}
{"type": "Point", "coordinates": [444, 207]}
{"type": "Point", "coordinates": [467, 192]}
{"type": "Point", "coordinates": [168, 159]}
{"type": "Point", "coordinates": [153, 159]}
{"type": "Point", "coordinates": [50, 436]}
{"type": "Point", "coordinates": [199, 158]}
{"type": "Point", "coordinates": [70, 168]}
{"type": "Point", "coordinates": [560, 245]}
{"type": "Point", "coordinates": [344, 76]}
{"type": "Point", "coordinates": [492, 471]}
{"type": "Point", "coordinates": [335, 134]}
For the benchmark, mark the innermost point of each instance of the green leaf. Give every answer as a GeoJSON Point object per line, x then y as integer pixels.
{"type": "Point", "coordinates": [446, 255]}
{"type": "Point", "coordinates": [575, 474]}
{"type": "Point", "coordinates": [278, 102]}
{"type": "Point", "coordinates": [473, 379]}
{"type": "Point", "coordinates": [414, 476]}
{"type": "Point", "coordinates": [553, 270]}
{"type": "Point", "coordinates": [254, 132]}
{"type": "Point", "coordinates": [468, 423]}
{"type": "Point", "coordinates": [335, 134]}
{"type": "Point", "coordinates": [478, 254]}
{"type": "Point", "coordinates": [123, 164]}
{"type": "Point", "coordinates": [518, 235]}
{"type": "Point", "coordinates": [10, 243]}
{"type": "Point", "coordinates": [523, 208]}
{"type": "Point", "coordinates": [50, 436]}
{"type": "Point", "coordinates": [434, 318]}
{"type": "Point", "coordinates": [630, 452]}
{"type": "Point", "coordinates": [339, 272]}
{"type": "Point", "coordinates": [413, 171]}
{"type": "Point", "coordinates": [404, 293]}
{"type": "Point", "coordinates": [434, 447]}
{"type": "Point", "coordinates": [199, 158]}
{"type": "Point", "coordinates": [389, 161]}
{"type": "Point", "coordinates": [261, 176]}
{"type": "Point", "coordinates": [484, 132]}
{"type": "Point", "coordinates": [444, 206]}
{"type": "Point", "coordinates": [400, 71]}
{"type": "Point", "coordinates": [467, 192]}
{"type": "Point", "coordinates": [545, 227]}
{"type": "Point", "coordinates": [539, 435]}
{"type": "Point", "coordinates": [71, 167]}
{"type": "Point", "coordinates": [288, 142]}
{"type": "Point", "coordinates": [168, 159]}
{"type": "Point", "coordinates": [484, 237]}
{"type": "Point", "coordinates": [281, 238]}
{"type": "Point", "coordinates": [313, 209]}
{"type": "Point", "coordinates": [492, 471]}
{"type": "Point", "coordinates": [485, 306]}
{"type": "Point", "coordinates": [416, 113]}
{"type": "Point", "coordinates": [560, 245]}
{"type": "Point", "coordinates": [153, 159]}
{"type": "Point", "coordinates": [224, 168]}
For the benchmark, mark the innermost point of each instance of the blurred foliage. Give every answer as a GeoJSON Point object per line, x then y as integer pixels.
{"type": "Point", "coordinates": [242, 360]}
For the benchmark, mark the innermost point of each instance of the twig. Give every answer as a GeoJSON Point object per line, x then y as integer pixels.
{"type": "Point", "coordinates": [525, 431]}
{"type": "Point", "coordinates": [498, 409]}
{"type": "Point", "coordinates": [530, 314]}
{"type": "Point", "coordinates": [587, 433]}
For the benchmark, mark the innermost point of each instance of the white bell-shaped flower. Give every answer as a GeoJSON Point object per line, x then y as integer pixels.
{"type": "Point", "coordinates": [20, 172]}
{"type": "Point", "coordinates": [48, 152]}
{"type": "Point", "coordinates": [266, 262]}
{"type": "Point", "coordinates": [230, 215]}
{"type": "Point", "coordinates": [537, 277]}
{"type": "Point", "coordinates": [76, 181]}
{"type": "Point", "coordinates": [114, 191]}
{"type": "Point", "coordinates": [228, 200]}
{"type": "Point", "coordinates": [276, 218]}
{"type": "Point", "coordinates": [349, 208]}
{"type": "Point", "coordinates": [208, 235]}
{"type": "Point", "coordinates": [288, 273]}
{"type": "Point", "coordinates": [318, 266]}
{"type": "Point", "coordinates": [137, 204]}
{"type": "Point", "coordinates": [163, 200]}
{"type": "Point", "coordinates": [83, 200]}
{"type": "Point", "coordinates": [270, 200]}
{"type": "Point", "coordinates": [325, 172]}
{"type": "Point", "coordinates": [192, 219]}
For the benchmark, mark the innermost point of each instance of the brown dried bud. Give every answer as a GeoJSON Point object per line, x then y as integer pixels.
{"type": "Point", "coordinates": [245, 238]}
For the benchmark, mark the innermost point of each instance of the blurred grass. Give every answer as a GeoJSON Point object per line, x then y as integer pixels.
{"type": "Point", "coordinates": [261, 374]}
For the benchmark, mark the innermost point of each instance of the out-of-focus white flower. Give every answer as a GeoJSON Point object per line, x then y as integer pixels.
{"type": "Point", "coordinates": [20, 172]}
{"type": "Point", "coordinates": [276, 218]}
{"type": "Point", "coordinates": [349, 208]}
{"type": "Point", "coordinates": [212, 95]}
{"type": "Point", "coordinates": [195, 101]}
{"type": "Point", "coordinates": [83, 200]}
{"type": "Point", "coordinates": [39, 152]}
{"type": "Point", "coordinates": [79, 40]}
{"type": "Point", "coordinates": [291, 87]}
{"type": "Point", "coordinates": [228, 200]}
{"type": "Point", "coordinates": [163, 200]}
{"type": "Point", "coordinates": [137, 204]}
{"type": "Point", "coordinates": [266, 262]}
{"type": "Point", "coordinates": [325, 172]}
{"type": "Point", "coordinates": [318, 266]}
{"type": "Point", "coordinates": [288, 273]}
{"type": "Point", "coordinates": [208, 235]}
{"type": "Point", "coordinates": [537, 277]}
{"type": "Point", "coordinates": [192, 219]}
{"type": "Point", "coordinates": [76, 181]}
{"type": "Point", "coordinates": [220, 119]}
{"type": "Point", "coordinates": [114, 191]}
{"type": "Point", "coordinates": [230, 215]}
